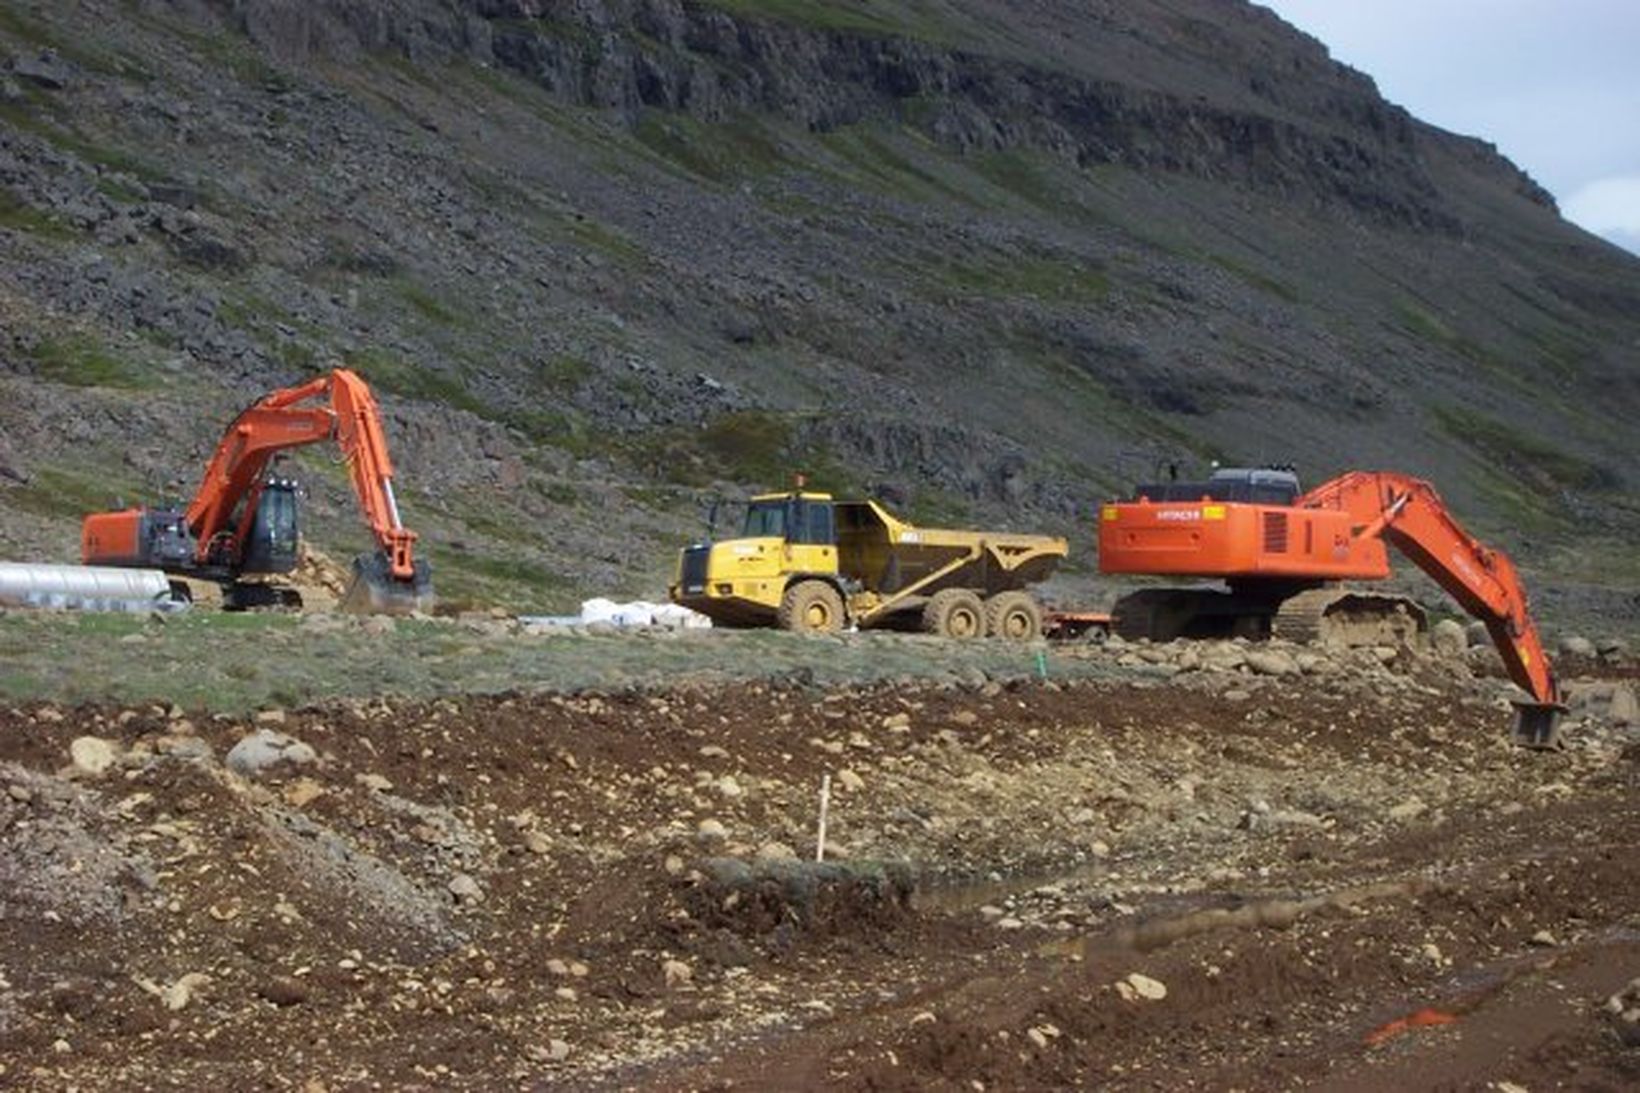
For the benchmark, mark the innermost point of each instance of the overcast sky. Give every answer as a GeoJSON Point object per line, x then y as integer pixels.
{"type": "Point", "coordinates": [1555, 84]}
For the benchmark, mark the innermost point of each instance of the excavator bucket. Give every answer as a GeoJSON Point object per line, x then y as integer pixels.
{"type": "Point", "coordinates": [1537, 724]}
{"type": "Point", "coordinates": [375, 591]}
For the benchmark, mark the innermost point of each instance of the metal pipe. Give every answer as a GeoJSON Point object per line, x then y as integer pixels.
{"type": "Point", "coordinates": [87, 588]}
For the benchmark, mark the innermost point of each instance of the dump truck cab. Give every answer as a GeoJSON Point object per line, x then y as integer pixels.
{"type": "Point", "coordinates": [805, 561]}
{"type": "Point", "coordinates": [741, 581]}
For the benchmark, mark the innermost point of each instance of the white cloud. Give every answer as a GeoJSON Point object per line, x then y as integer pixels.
{"type": "Point", "coordinates": [1610, 205]}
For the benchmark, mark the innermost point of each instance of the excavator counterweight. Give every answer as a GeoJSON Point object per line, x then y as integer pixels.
{"type": "Point", "coordinates": [1281, 553]}
{"type": "Point", "coordinates": [243, 523]}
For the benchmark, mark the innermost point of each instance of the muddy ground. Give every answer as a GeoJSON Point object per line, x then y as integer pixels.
{"type": "Point", "coordinates": [1154, 878]}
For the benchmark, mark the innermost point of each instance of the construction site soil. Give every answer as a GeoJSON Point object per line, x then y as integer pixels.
{"type": "Point", "coordinates": [1203, 879]}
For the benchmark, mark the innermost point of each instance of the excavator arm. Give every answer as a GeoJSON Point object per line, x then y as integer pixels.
{"type": "Point", "coordinates": [1408, 513]}
{"type": "Point", "coordinates": [235, 475]}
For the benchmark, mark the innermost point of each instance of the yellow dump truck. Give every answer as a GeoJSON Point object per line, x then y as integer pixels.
{"type": "Point", "coordinates": [804, 561]}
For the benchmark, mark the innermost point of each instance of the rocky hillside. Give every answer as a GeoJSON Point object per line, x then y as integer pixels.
{"type": "Point", "coordinates": [605, 258]}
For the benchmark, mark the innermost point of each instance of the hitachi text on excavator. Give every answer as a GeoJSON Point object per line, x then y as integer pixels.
{"type": "Point", "coordinates": [242, 523]}
{"type": "Point", "coordinates": [1281, 552]}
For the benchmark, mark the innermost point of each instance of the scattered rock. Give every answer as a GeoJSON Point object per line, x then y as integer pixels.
{"type": "Point", "coordinates": [850, 781]}
{"type": "Point", "coordinates": [1624, 1006]}
{"type": "Point", "coordinates": [537, 843]}
{"type": "Point", "coordinates": [1624, 708]}
{"type": "Point", "coordinates": [1545, 939]}
{"type": "Point", "coordinates": [712, 830]}
{"type": "Point", "coordinates": [1408, 809]}
{"type": "Point", "coordinates": [676, 973]}
{"type": "Point", "coordinates": [302, 792]}
{"type": "Point", "coordinates": [92, 754]}
{"type": "Point", "coordinates": [45, 69]}
{"type": "Point", "coordinates": [1612, 649]}
{"type": "Point", "coordinates": [1448, 638]}
{"type": "Point", "coordinates": [283, 992]}
{"type": "Point", "coordinates": [1143, 986]}
{"type": "Point", "coordinates": [1575, 645]}
{"type": "Point", "coordinates": [465, 889]}
{"type": "Point", "coordinates": [1273, 662]}
{"type": "Point", "coordinates": [179, 994]}
{"type": "Point", "coordinates": [775, 851]}
{"type": "Point", "coordinates": [266, 749]}
{"type": "Point", "coordinates": [375, 783]}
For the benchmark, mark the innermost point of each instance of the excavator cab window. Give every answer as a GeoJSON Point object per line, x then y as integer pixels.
{"type": "Point", "coordinates": [1246, 486]}
{"type": "Point", "coordinates": [276, 532]}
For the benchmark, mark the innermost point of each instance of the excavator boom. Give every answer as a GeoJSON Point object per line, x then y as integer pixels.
{"type": "Point", "coordinates": [1408, 513]}
{"type": "Point", "coordinates": [232, 527]}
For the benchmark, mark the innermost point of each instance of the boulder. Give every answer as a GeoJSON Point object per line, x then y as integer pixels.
{"type": "Point", "coordinates": [92, 754]}
{"type": "Point", "coordinates": [1574, 645]}
{"type": "Point", "coordinates": [1273, 662]}
{"type": "Point", "coordinates": [1448, 638]}
{"type": "Point", "coordinates": [265, 749]}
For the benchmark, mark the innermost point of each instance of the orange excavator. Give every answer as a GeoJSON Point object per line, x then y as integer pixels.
{"type": "Point", "coordinates": [243, 523]}
{"type": "Point", "coordinates": [1281, 553]}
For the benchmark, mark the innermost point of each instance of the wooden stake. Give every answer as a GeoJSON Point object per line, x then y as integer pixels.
{"type": "Point", "coordinates": [825, 807]}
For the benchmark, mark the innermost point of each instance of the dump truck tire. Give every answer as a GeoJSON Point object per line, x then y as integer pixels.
{"type": "Point", "coordinates": [1013, 616]}
{"type": "Point", "coordinates": [955, 613]}
{"type": "Point", "coordinates": [811, 607]}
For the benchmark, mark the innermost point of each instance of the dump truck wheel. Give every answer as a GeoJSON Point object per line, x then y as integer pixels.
{"type": "Point", "coordinates": [955, 613]}
{"type": "Point", "coordinates": [811, 607]}
{"type": "Point", "coordinates": [1013, 616]}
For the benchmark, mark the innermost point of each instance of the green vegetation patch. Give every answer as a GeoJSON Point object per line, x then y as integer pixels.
{"type": "Point", "coordinates": [873, 160]}
{"type": "Point", "coordinates": [18, 215]}
{"type": "Point", "coordinates": [722, 152]}
{"type": "Point", "coordinates": [391, 372]}
{"type": "Point", "coordinates": [1042, 277]}
{"type": "Point", "coordinates": [431, 307]}
{"type": "Point", "coordinates": [1431, 329]}
{"type": "Point", "coordinates": [907, 18]}
{"type": "Point", "coordinates": [80, 360]}
{"type": "Point", "coordinates": [53, 493]}
{"type": "Point", "coordinates": [1522, 454]}
{"type": "Point", "coordinates": [1259, 280]}
{"type": "Point", "coordinates": [753, 448]}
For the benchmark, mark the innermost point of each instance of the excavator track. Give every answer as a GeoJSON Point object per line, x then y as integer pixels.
{"type": "Point", "coordinates": [1345, 617]}
{"type": "Point", "coordinates": [1166, 614]}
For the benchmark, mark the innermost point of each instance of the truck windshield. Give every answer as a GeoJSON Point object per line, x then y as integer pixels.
{"type": "Point", "coordinates": [765, 519]}
{"type": "Point", "coordinates": [794, 519]}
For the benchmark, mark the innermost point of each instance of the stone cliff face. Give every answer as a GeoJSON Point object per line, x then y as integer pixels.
{"type": "Point", "coordinates": [1302, 125]}
{"type": "Point", "coordinates": [606, 257]}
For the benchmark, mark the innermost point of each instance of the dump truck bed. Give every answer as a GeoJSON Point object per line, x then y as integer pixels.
{"type": "Point", "coordinates": [895, 561]}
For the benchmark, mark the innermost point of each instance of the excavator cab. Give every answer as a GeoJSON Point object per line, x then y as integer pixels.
{"type": "Point", "coordinates": [275, 538]}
